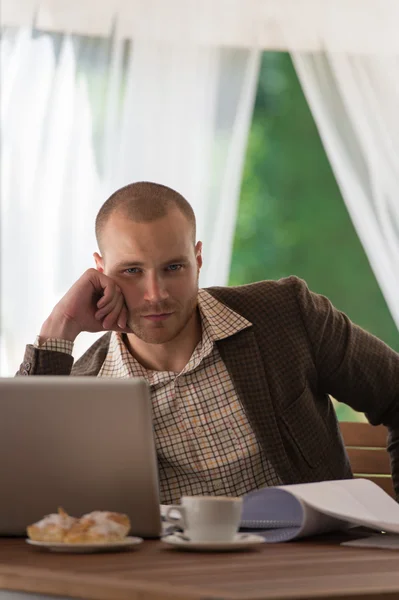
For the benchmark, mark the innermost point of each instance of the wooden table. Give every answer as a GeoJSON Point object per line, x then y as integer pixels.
{"type": "Point", "coordinates": [305, 569]}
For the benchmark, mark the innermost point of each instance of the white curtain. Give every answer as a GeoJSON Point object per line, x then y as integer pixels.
{"type": "Point", "coordinates": [354, 99]}
{"type": "Point", "coordinates": [83, 116]}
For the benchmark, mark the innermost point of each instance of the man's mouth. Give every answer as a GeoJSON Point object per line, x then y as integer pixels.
{"type": "Point", "coordinates": [157, 316]}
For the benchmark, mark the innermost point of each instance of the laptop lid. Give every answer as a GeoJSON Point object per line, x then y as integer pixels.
{"type": "Point", "coordinates": [83, 443]}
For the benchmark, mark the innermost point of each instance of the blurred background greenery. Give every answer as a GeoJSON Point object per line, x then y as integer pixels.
{"type": "Point", "coordinates": [292, 219]}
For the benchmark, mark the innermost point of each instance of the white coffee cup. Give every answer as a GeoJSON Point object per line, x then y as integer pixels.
{"type": "Point", "coordinates": [207, 518]}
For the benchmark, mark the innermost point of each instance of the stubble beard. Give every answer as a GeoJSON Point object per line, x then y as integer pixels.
{"type": "Point", "coordinates": [163, 332]}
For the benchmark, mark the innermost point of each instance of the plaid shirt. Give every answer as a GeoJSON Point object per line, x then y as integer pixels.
{"type": "Point", "coordinates": [204, 442]}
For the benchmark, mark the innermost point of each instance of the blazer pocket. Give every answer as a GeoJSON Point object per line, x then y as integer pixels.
{"type": "Point", "coordinates": [305, 429]}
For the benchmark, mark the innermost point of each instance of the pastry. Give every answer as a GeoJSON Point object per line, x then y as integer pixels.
{"type": "Point", "coordinates": [100, 527]}
{"type": "Point", "coordinates": [51, 528]}
{"type": "Point", "coordinates": [97, 526]}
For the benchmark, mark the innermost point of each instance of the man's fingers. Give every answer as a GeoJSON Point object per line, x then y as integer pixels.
{"type": "Point", "coordinates": [122, 319]}
{"type": "Point", "coordinates": [110, 320]}
{"type": "Point", "coordinates": [109, 290]}
{"type": "Point", "coordinates": [109, 306]}
{"type": "Point", "coordinates": [123, 327]}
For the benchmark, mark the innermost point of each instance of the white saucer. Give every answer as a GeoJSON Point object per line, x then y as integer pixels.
{"type": "Point", "coordinates": [241, 541]}
{"type": "Point", "coordinates": [88, 548]}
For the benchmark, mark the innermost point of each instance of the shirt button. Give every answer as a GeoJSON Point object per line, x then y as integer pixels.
{"type": "Point", "coordinates": [198, 430]}
{"type": "Point", "coordinates": [218, 485]}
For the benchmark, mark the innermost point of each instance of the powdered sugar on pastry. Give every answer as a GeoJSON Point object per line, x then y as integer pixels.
{"type": "Point", "coordinates": [56, 520]}
{"type": "Point", "coordinates": [99, 526]}
{"type": "Point", "coordinates": [51, 528]}
{"type": "Point", "coordinates": [107, 523]}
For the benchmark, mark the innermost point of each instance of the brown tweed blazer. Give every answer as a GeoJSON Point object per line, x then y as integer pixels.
{"type": "Point", "coordinates": [299, 350]}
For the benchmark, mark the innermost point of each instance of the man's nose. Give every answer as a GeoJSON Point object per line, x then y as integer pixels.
{"type": "Point", "coordinates": [155, 289]}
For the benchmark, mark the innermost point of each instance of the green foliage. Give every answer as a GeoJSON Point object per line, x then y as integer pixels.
{"type": "Point", "coordinates": [292, 218]}
{"type": "Point", "coordinates": [346, 413]}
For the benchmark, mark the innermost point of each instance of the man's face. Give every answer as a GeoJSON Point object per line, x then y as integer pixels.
{"type": "Point", "coordinates": [156, 265]}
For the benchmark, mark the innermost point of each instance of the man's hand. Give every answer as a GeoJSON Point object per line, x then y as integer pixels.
{"type": "Point", "coordinates": [94, 303]}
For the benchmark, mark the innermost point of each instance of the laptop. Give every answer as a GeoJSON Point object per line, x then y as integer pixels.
{"type": "Point", "coordinates": [80, 443]}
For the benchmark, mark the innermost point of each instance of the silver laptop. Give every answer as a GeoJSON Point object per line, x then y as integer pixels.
{"type": "Point", "coordinates": [82, 443]}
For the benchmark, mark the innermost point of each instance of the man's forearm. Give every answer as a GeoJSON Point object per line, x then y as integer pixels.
{"type": "Point", "coordinates": [56, 327]}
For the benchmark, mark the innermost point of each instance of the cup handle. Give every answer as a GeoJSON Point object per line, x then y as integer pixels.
{"type": "Point", "coordinates": [176, 521]}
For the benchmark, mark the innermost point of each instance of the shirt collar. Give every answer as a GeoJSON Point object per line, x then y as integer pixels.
{"type": "Point", "coordinates": [220, 320]}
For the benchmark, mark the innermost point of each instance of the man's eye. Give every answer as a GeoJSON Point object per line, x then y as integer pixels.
{"type": "Point", "coordinates": [174, 267]}
{"type": "Point", "coordinates": [132, 270]}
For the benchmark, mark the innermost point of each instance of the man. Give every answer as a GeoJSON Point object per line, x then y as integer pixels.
{"type": "Point", "coordinates": [240, 377]}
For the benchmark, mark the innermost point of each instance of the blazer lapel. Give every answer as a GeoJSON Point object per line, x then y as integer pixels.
{"type": "Point", "coordinates": [243, 360]}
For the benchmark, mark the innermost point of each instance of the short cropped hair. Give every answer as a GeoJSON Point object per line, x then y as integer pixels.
{"type": "Point", "coordinates": [143, 202]}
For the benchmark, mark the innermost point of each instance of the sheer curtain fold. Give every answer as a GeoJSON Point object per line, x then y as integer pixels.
{"type": "Point", "coordinates": [83, 116]}
{"type": "Point", "coordinates": [353, 99]}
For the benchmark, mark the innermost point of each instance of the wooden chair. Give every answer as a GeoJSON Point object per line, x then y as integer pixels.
{"type": "Point", "coordinates": [366, 448]}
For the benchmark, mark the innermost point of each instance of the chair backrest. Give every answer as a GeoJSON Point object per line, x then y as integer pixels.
{"type": "Point", "coordinates": [366, 448]}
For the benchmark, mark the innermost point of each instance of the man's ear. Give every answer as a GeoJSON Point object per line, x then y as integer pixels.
{"type": "Point", "coordinates": [99, 262]}
{"type": "Point", "coordinates": [198, 254]}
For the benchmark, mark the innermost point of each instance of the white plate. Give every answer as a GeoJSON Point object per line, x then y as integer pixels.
{"type": "Point", "coordinates": [89, 547]}
{"type": "Point", "coordinates": [241, 541]}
